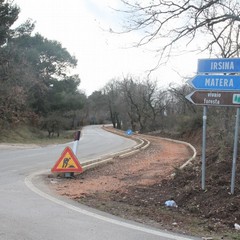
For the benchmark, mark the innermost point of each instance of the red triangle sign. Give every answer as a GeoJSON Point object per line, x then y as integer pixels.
{"type": "Point", "coordinates": [68, 162]}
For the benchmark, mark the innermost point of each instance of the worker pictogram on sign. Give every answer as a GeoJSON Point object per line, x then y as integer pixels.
{"type": "Point", "coordinates": [68, 162]}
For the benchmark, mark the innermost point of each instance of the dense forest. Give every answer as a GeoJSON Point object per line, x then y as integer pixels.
{"type": "Point", "coordinates": [37, 88]}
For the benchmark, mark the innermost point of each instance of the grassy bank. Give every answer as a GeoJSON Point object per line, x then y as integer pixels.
{"type": "Point", "coordinates": [30, 135]}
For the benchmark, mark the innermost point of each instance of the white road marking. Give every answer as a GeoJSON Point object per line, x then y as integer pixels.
{"type": "Point", "coordinates": [30, 185]}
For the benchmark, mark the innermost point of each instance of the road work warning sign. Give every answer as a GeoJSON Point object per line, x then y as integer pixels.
{"type": "Point", "coordinates": [67, 162]}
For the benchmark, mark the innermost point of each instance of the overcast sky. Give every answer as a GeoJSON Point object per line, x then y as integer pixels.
{"type": "Point", "coordinates": [83, 27]}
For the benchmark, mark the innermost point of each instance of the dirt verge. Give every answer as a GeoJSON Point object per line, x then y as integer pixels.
{"type": "Point", "coordinates": [136, 187]}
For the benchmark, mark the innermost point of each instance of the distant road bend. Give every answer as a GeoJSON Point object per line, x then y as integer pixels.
{"type": "Point", "coordinates": [28, 211]}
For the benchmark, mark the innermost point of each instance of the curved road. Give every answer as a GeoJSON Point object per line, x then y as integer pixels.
{"type": "Point", "coordinates": [28, 211]}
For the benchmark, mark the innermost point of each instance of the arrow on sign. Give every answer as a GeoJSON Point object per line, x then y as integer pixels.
{"type": "Point", "coordinates": [216, 82]}
{"type": "Point", "coordinates": [215, 98]}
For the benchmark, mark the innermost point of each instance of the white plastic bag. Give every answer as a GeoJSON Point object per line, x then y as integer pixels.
{"type": "Point", "coordinates": [170, 203]}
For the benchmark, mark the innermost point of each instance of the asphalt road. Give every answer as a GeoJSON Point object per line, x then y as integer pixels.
{"type": "Point", "coordinates": [28, 211]}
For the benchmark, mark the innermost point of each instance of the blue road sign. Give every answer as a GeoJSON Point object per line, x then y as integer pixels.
{"type": "Point", "coordinates": [216, 82]}
{"type": "Point", "coordinates": [129, 132]}
{"type": "Point", "coordinates": [219, 65]}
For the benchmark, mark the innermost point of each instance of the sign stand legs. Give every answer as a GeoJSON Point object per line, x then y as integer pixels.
{"type": "Point", "coordinates": [204, 146]}
{"type": "Point", "coordinates": [235, 149]}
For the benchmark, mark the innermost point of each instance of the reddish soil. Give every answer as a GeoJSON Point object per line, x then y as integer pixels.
{"type": "Point", "coordinates": [136, 187]}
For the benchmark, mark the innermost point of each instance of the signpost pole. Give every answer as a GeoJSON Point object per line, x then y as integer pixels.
{"type": "Point", "coordinates": [204, 146]}
{"type": "Point", "coordinates": [235, 149]}
{"type": "Point", "coordinates": [75, 146]}
{"type": "Point", "coordinates": [223, 89]}
{"type": "Point", "coordinates": [76, 141]}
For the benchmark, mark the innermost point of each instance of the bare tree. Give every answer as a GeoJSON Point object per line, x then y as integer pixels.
{"type": "Point", "coordinates": [142, 103]}
{"type": "Point", "coordinates": [133, 98]}
{"type": "Point", "coordinates": [111, 90]}
{"type": "Point", "coordinates": [184, 21]}
{"type": "Point", "coordinates": [97, 107]}
{"type": "Point", "coordinates": [226, 46]}
{"type": "Point", "coordinates": [182, 105]}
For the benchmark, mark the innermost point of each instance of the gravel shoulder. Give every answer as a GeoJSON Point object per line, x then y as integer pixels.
{"type": "Point", "coordinates": [123, 186]}
{"type": "Point", "coordinates": [136, 187]}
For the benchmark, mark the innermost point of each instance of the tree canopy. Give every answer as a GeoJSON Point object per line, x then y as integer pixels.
{"type": "Point", "coordinates": [8, 15]}
{"type": "Point", "coordinates": [37, 86]}
{"type": "Point", "coordinates": [35, 73]}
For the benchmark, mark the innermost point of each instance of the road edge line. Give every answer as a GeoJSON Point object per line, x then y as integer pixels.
{"type": "Point", "coordinates": [28, 182]}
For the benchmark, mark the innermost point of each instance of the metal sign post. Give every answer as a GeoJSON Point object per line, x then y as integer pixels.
{"type": "Point", "coordinates": [76, 141]}
{"type": "Point", "coordinates": [204, 147]}
{"type": "Point", "coordinates": [235, 149]}
{"type": "Point", "coordinates": [222, 89]}
{"type": "Point", "coordinates": [74, 149]}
